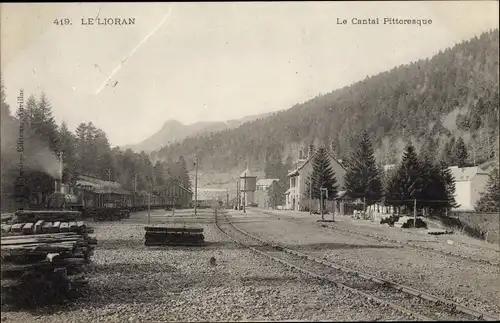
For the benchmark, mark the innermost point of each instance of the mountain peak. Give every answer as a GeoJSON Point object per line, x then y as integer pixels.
{"type": "Point", "coordinates": [172, 122]}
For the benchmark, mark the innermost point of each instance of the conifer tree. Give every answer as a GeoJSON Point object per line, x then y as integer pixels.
{"type": "Point", "coordinates": [322, 176]}
{"type": "Point", "coordinates": [67, 147]}
{"type": "Point", "coordinates": [5, 112]}
{"type": "Point", "coordinates": [459, 153]}
{"type": "Point", "coordinates": [406, 184]}
{"type": "Point", "coordinates": [276, 194]}
{"type": "Point", "coordinates": [490, 198]}
{"type": "Point", "coordinates": [362, 179]}
{"type": "Point", "coordinates": [183, 173]}
{"type": "Point", "coordinates": [448, 153]}
{"type": "Point", "coordinates": [429, 149]}
{"type": "Point", "coordinates": [448, 181]}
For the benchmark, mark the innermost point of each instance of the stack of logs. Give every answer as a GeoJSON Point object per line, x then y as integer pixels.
{"type": "Point", "coordinates": [164, 236]}
{"type": "Point", "coordinates": [44, 261]}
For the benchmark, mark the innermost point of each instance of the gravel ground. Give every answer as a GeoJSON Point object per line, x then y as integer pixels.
{"type": "Point", "coordinates": [473, 284]}
{"type": "Point", "coordinates": [461, 243]}
{"type": "Point", "coordinates": [133, 283]}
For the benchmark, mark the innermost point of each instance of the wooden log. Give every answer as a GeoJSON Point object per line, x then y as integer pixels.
{"type": "Point", "coordinates": [6, 228]}
{"type": "Point", "coordinates": [8, 283]}
{"type": "Point", "coordinates": [72, 226]}
{"type": "Point", "coordinates": [172, 229]}
{"type": "Point", "coordinates": [18, 227]}
{"type": "Point", "coordinates": [44, 235]}
{"type": "Point", "coordinates": [47, 227]}
{"type": "Point", "coordinates": [53, 257]}
{"type": "Point", "coordinates": [28, 228]}
{"type": "Point", "coordinates": [64, 227]}
{"type": "Point", "coordinates": [56, 226]}
{"type": "Point", "coordinates": [12, 270]}
{"type": "Point", "coordinates": [37, 239]}
{"type": "Point", "coordinates": [37, 249]}
{"type": "Point", "coordinates": [38, 226]}
{"type": "Point", "coordinates": [92, 241]}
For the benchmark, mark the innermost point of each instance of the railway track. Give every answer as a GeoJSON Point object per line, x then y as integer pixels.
{"type": "Point", "coordinates": [406, 243]}
{"type": "Point", "coordinates": [417, 304]}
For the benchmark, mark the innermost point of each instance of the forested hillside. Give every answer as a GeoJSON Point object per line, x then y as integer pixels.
{"type": "Point", "coordinates": [174, 131]}
{"type": "Point", "coordinates": [437, 102]}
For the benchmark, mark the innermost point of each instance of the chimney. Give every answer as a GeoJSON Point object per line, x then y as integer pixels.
{"type": "Point", "coordinates": [332, 148]}
{"type": "Point", "coordinates": [311, 150]}
{"type": "Point", "coordinates": [300, 154]}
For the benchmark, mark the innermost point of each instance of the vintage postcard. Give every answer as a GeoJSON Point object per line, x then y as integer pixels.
{"type": "Point", "coordinates": [250, 161]}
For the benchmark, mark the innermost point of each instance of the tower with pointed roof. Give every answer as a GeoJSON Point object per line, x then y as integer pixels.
{"type": "Point", "coordinates": [248, 184]}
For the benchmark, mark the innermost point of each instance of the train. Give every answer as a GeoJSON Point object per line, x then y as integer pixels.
{"type": "Point", "coordinates": [112, 202]}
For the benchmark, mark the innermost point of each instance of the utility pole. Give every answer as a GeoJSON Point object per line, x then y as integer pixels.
{"type": "Point", "coordinates": [364, 207]}
{"type": "Point", "coordinates": [321, 203]}
{"type": "Point", "coordinates": [310, 194]}
{"type": "Point", "coordinates": [109, 184]}
{"type": "Point", "coordinates": [414, 213]}
{"type": "Point", "coordinates": [149, 207]}
{"type": "Point", "coordinates": [196, 187]}
{"type": "Point", "coordinates": [238, 194]}
{"type": "Point", "coordinates": [245, 193]}
{"type": "Point", "coordinates": [227, 197]}
{"type": "Point", "coordinates": [135, 187]}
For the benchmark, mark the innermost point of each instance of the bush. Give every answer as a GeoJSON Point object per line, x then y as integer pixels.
{"type": "Point", "coordinates": [390, 220]}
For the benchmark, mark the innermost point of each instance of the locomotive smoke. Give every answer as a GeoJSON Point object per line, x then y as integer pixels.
{"type": "Point", "coordinates": [44, 160]}
{"type": "Point", "coordinates": [37, 155]}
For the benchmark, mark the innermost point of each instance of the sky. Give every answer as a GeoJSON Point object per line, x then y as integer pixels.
{"type": "Point", "coordinates": [212, 61]}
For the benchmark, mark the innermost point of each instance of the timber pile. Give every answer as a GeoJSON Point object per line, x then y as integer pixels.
{"type": "Point", "coordinates": [44, 261]}
{"type": "Point", "coordinates": [41, 268]}
{"type": "Point", "coordinates": [164, 236]}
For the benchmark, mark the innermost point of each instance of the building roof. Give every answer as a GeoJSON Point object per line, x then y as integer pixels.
{"type": "Point", "coordinates": [92, 181]}
{"type": "Point", "coordinates": [99, 186]}
{"type": "Point", "coordinates": [266, 181]}
{"type": "Point", "coordinates": [465, 173]}
{"type": "Point", "coordinates": [246, 173]}
{"type": "Point", "coordinates": [296, 171]}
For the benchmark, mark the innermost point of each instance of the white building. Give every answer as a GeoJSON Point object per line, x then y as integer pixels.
{"type": "Point", "coordinates": [298, 176]}
{"type": "Point", "coordinates": [470, 182]}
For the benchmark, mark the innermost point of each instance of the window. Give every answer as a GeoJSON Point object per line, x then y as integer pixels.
{"type": "Point", "coordinates": [293, 181]}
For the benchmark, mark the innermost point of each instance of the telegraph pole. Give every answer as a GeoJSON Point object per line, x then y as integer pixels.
{"type": "Point", "coordinates": [196, 187]}
{"type": "Point", "coordinates": [245, 193]}
{"type": "Point", "coordinates": [135, 187]}
{"type": "Point", "coordinates": [238, 194]}
{"type": "Point", "coordinates": [414, 213]}
{"type": "Point", "coordinates": [227, 197]}
{"type": "Point", "coordinates": [109, 184]}
{"type": "Point", "coordinates": [310, 195]}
